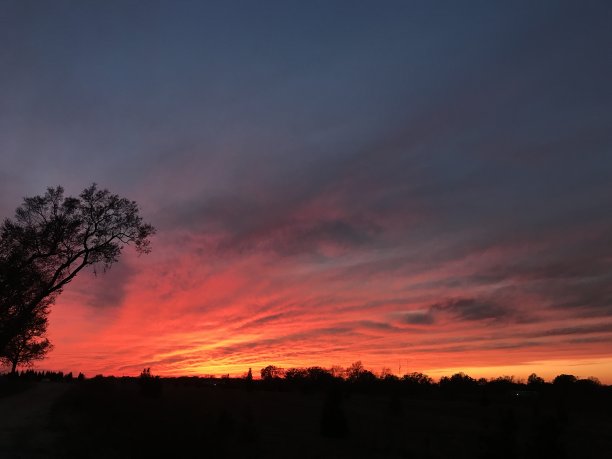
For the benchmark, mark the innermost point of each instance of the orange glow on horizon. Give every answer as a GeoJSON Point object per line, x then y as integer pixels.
{"type": "Point", "coordinates": [182, 317]}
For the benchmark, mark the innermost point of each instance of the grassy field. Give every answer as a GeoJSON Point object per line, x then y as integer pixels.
{"type": "Point", "coordinates": [116, 418]}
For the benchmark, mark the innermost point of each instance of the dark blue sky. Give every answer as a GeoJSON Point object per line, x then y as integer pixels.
{"type": "Point", "coordinates": [459, 152]}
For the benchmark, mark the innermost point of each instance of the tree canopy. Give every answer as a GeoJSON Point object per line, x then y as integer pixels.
{"type": "Point", "coordinates": [48, 242]}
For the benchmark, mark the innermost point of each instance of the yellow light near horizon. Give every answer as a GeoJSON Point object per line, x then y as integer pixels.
{"type": "Point", "coordinates": [547, 369]}
{"type": "Point", "coordinates": [601, 368]}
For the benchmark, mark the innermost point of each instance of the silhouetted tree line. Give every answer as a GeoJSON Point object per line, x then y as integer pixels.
{"type": "Point", "coordinates": [535, 414]}
{"type": "Point", "coordinates": [337, 381]}
{"type": "Point", "coordinates": [357, 378]}
{"type": "Point", "coordinates": [34, 375]}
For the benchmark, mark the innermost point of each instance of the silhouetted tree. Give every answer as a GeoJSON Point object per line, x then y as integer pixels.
{"type": "Point", "coordinates": [534, 380]}
{"type": "Point", "coordinates": [592, 380]}
{"type": "Point", "coordinates": [358, 375]}
{"type": "Point", "coordinates": [337, 371]}
{"type": "Point", "coordinates": [564, 380]}
{"type": "Point", "coordinates": [295, 374]}
{"type": "Point", "coordinates": [417, 379]}
{"type": "Point", "coordinates": [417, 383]}
{"type": "Point", "coordinates": [248, 379]}
{"type": "Point", "coordinates": [28, 346]}
{"type": "Point", "coordinates": [271, 372]}
{"type": "Point", "coordinates": [458, 384]}
{"type": "Point", "coordinates": [49, 241]}
{"type": "Point", "coordinates": [149, 385]}
{"type": "Point", "coordinates": [355, 370]}
{"type": "Point", "coordinates": [318, 375]}
{"type": "Point", "coordinates": [145, 373]}
{"type": "Point", "coordinates": [501, 383]}
{"type": "Point", "coordinates": [387, 375]}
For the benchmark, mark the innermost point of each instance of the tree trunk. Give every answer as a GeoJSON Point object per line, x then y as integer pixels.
{"type": "Point", "coordinates": [14, 367]}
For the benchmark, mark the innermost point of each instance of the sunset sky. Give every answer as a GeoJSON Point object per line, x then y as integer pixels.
{"type": "Point", "coordinates": [423, 186]}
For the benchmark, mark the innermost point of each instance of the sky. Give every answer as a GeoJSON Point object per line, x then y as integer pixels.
{"type": "Point", "coordinates": [421, 186]}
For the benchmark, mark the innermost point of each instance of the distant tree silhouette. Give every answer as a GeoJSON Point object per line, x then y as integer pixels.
{"type": "Point", "coordinates": [357, 374]}
{"type": "Point", "coordinates": [150, 385]}
{"type": "Point", "coordinates": [460, 381]}
{"type": "Point", "coordinates": [248, 379]}
{"type": "Point", "coordinates": [417, 378]}
{"type": "Point", "coordinates": [271, 372]}
{"type": "Point", "coordinates": [501, 383]}
{"type": "Point", "coordinates": [146, 373]}
{"type": "Point", "coordinates": [312, 378]}
{"type": "Point", "coordinates": [534, 380]}
{"type": "Point", "coordinates": [48, 242]}
{"type": "Point", "coordinates": [458, 384]}
{"type": "Point", "coordinates": [296, 375]}
{"type": "Point", "coordinates": [387, 374]}
{"type": "Point", "coordinates": [337, 371]}
{"type": "Point", "coordinates": [355, 370]}
{"type": "Point", "coordinates": [593, 381]}
{"type": "Point", "coordinates": [318, 375]}
{"type": "Point", "coordinates": [564, 380]}
{"type": "Point", "coordinates": [416, 383]}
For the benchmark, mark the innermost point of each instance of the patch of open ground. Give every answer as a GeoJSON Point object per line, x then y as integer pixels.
{"type": "Point", "coordinates": [25, 421]}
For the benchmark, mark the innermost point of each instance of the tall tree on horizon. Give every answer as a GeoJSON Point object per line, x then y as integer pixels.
{"type": "Point", "coordinates": [49, 241]}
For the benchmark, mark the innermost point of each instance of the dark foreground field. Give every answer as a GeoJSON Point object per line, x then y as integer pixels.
{"type": "Point", "coordinates": [121, 418]}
